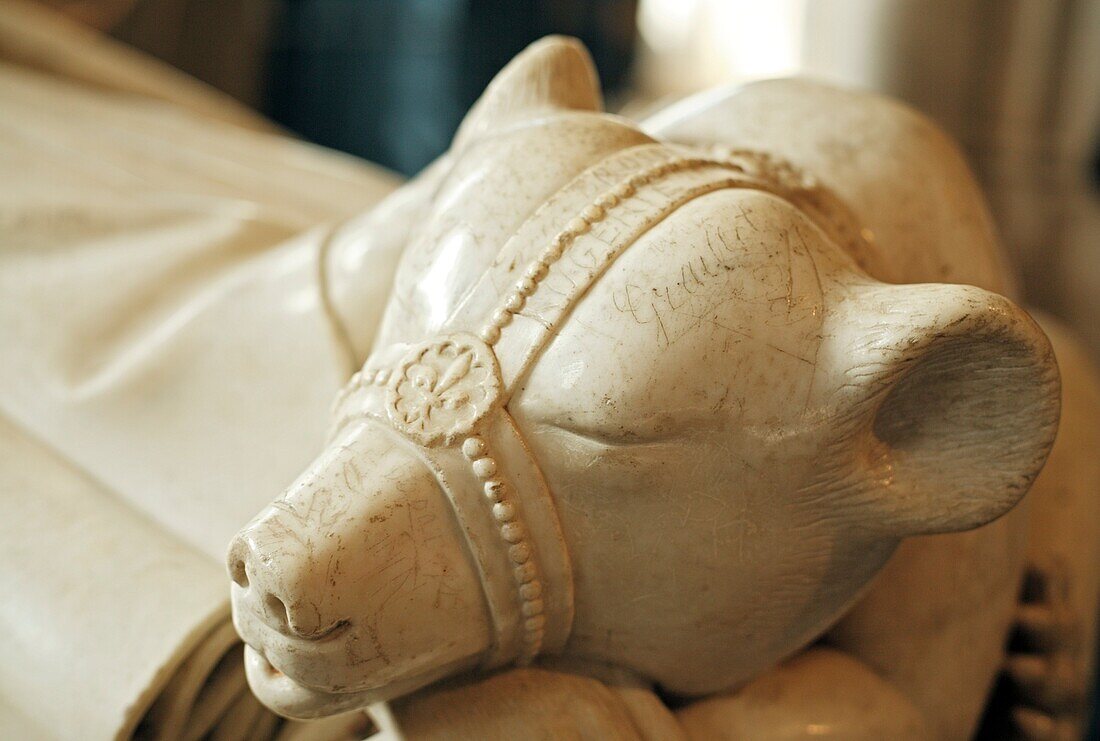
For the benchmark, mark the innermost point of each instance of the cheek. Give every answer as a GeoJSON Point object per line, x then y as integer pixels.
{"type": "Point", "coordinates": [406, 549]}
{"type": "Point", "coordinates": [672, 516]}
{"type": "Point", "coordinates": [402, 572]}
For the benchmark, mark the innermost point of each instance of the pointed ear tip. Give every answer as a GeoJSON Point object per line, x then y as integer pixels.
{"type": "Point", "coordinates": [553, 72]}
{"type": "Point", "coordinates": [566, 56]}
{"type": "Point", "coordinates": [558, 41]}
{"type": "Point", "coordinates": [558, 45]}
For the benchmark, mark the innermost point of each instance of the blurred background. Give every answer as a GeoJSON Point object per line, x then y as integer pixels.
{"type": "Point", "coordinates": [1017, 82]}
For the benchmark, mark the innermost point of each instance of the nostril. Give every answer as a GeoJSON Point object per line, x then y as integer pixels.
{"type": "Point", "coordinates": [237, 561]}
{"type": "Point", "coordinates": [276, 610]}
{"type": "Point", "coordinates": [239, 573]}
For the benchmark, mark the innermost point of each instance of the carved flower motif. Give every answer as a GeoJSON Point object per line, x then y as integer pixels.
{"type": "Point", "coordinates": [442, 389]}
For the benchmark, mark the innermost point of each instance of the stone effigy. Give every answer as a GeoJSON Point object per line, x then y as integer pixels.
{"type": "Point", "coordinates": [649, 410]}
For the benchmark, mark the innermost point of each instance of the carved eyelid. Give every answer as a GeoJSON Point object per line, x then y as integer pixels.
{"type": "Point", "coordinates": [608, 439]}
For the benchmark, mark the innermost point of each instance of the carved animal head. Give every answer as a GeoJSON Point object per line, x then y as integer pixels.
{"type": "Point", "coordinates": [632, 404]}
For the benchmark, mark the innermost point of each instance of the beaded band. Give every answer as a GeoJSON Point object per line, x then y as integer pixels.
{"type": "Point", "coordinates": [448, 395]}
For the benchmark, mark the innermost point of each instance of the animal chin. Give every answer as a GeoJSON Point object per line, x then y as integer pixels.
{"type": "Point", "coordinates": [293, 700]}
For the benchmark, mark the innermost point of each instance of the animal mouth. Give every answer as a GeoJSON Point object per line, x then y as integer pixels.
{"type": "Point", "coordinates": [266, 665]}
{"type": "Point", "coordinates": [274, 614]}
{"type": "Point", "coordinates": [288, 697]}
{"type": "Point", "coordinates": [291, 699]}
{"type": "Point", "coordinates": [324, 634]}
{"type": "Point", "coordinates": [270, 653]}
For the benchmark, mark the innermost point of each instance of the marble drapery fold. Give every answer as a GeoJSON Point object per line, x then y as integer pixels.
{"type": "Point", "coordinates": [163, 314]}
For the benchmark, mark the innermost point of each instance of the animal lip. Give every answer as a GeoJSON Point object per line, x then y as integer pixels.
{"type": "Point", "coordinates": [287, 697]}
{"type": "Point", "coordinates": [276, 617]}
{"type": "Point", "coordinates": [325, 634]}
{"type": "Point", "coordinates": [260, 657]}
{"type": "Point", "coordinates": [263, 661]}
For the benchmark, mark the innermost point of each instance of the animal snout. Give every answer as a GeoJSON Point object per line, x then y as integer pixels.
{"type": "Point", "coordinates": [274, 590]}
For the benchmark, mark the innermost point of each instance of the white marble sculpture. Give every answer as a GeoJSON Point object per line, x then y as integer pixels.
{"type": "Point", "coordinates": [649, 410]}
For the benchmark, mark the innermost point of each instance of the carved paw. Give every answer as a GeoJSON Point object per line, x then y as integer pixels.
{"type": "Point", "coordinates": [1045, 680]}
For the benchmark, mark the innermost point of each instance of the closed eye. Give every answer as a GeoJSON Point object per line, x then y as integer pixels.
{"type": "Point", "coordinates": [599, 438]}
{"type": "Point", "coordinates": [639, 430]}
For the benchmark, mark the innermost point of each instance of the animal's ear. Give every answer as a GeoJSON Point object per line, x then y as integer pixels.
{"type": "Point", "coordinates": [553, 73]}
{"type": "Point", "coordinates": [954, 395]}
